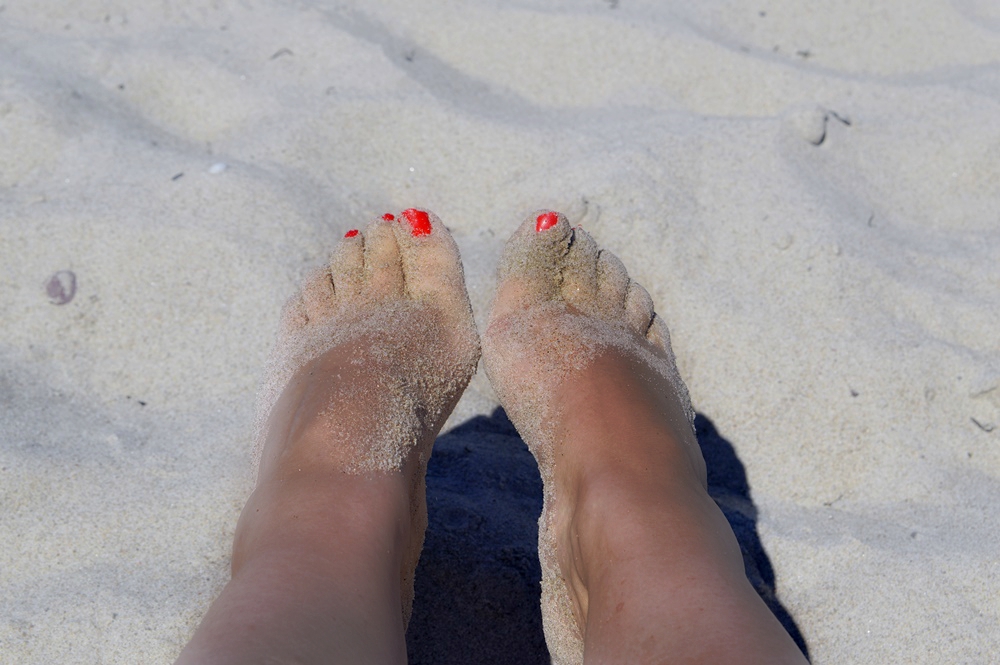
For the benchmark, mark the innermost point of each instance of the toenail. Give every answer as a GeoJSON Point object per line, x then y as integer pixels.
{"type": "Point", "coordinates": [388, 217]}
{"type": "Point", "coordinates": [420, 222]}
{"type": "Point", "coordinates": [546, 221]}
{"type": "Point", "coordinates": [351, 233]}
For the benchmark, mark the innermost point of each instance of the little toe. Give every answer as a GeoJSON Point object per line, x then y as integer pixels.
{"type": "Point", "coordinates": [383, 270]}
{"type": "Point", "coordinates": [659, 335]}
{"type": "Point", "coordinates": [432, 267]}
{"type": "Point", "coordinates": [579, 272]}
{"type": "Point", "coordinates": [293, 315]}
{"type": "Point", "coordinates": [347, 265]}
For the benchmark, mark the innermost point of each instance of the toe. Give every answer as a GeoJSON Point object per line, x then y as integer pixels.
{"type": "Point", "coordinates": [383, 270]}
{"type": "Point", "coordinates": [536, 249]}
{"type": "Point", "coordinates": [293, 315]}
{"type": "Point", "coordinates": [432, 268]}
{"type": "Point", "coordinates": [579, 272]}
{"type": "Point", "coordinates": [658, 335]}
{"type": "Point", "coordinates": [347, 265]}
{"type": "Point", "coordinates": [612, 284]}
{"type": "Point", "coordinates": [638, 308]}
{"type": "Point", "coordinates": [317, 295]}
{"type": "Point", "coordinates": [528, 272]}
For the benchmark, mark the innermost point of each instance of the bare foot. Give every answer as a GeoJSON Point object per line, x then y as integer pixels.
{"type": "Point", "coordinates": [373, 355]}
{"type": "Point", "coordinates": [638, 563]}
{"type": "Point", "coordinates": [383, 341]}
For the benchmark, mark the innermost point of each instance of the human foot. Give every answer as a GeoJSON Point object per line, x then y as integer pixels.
{"type": "Point", "coordinates": [372, 356]}
{"type": "Point", "coordinates": [632, 548]}
{"type": "Point", "coordinates": [562, 304]}
{"type": "Point", "coordinates": [374, 353]}
{"type": "Point", "coordinates": [389, 327]}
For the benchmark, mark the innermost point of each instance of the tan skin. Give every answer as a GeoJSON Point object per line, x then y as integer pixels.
{"type": "Point", "coordinates": [654, 571]}
{"type": "Point", "coordinates": [317, 552]}
{"type": "Point", "coordinates": [653, 568]}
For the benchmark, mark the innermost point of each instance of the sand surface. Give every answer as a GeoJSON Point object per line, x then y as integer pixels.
{"type": "Point", "coordinates": [809, 191]}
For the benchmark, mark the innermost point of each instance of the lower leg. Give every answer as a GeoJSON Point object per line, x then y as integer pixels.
{"type": "Point", "coordinates": [316, 575]}
{"type": "Point", "coordinates": [650, 561]}
{"type": "Point", "coordinates": [638, 563]}
{"type": "Point", "coordinates": [320, 553]}
{"type": "Point", "coordinates": [373, 355]}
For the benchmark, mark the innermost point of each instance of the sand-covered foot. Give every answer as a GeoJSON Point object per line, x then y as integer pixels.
{"type": "Point", "coordinates": [373, 354]}
{"type": "Point", "coordinates": [570, 337]}
{"type": "Point", "coordinates": [639, 565]}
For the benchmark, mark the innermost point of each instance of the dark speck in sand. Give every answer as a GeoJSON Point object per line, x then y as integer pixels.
{"type": "Point", "coordinates": [986, 427]}
{"type": "Point", "coordinates": [178, 176]}
{"type": "Point", "coordinates": [61, 287]}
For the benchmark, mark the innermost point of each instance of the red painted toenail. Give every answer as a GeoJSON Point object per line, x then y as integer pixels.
{"type": "Point", "coordinates": [351, 233]}
{"type": "Point", "coordinates": [546, 221]}
{"type": "Point", "coordinates": [420, 222]}
{"type": "Point", "coordinates": [388, 217]}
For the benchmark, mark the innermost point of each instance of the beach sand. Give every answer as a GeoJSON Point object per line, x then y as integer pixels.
{"type": "Point", "coordinates": [809, 193]}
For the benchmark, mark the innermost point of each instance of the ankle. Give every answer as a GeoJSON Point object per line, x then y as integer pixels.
{"type": "Point", "coordinates": [627, 422]}
{"type": "Point", "coordinates": [611, 520]}
{"type": "Point", "coordinates": [325, 512]}
{"type": "Point", "coordinates": [613, 510]}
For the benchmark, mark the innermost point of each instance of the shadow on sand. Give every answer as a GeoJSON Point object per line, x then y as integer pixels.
{"type": "Point", "coordinates": [477, 585]}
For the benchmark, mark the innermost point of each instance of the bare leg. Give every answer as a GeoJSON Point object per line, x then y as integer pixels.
{"type": "Point", "coordinates": [639, 564]}
{"type": "Point", "coordinates": [374, 353]}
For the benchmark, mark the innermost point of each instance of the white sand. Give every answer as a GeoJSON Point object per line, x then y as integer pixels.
{"type": "Point", "coordinates": [835, 308]}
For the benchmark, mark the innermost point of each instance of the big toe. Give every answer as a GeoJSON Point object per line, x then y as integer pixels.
{"type": "Point", "coordinates": [431, 265]}
{"type": "Point", "coordinates": [529, 271]}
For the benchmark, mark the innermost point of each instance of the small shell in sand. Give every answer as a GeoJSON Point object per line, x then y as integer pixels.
{"type": "Point", "coordinates": [61, 287]}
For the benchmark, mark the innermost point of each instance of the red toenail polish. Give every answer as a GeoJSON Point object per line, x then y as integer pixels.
{"type": "Point", "coordinates": [351, 233]}
{"type": "Point", "coordinates": [420, 222]}
{"type": "Point", "coordinates": [546, 221]}
{"type": "Point", "coordinates": [388, 217]}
